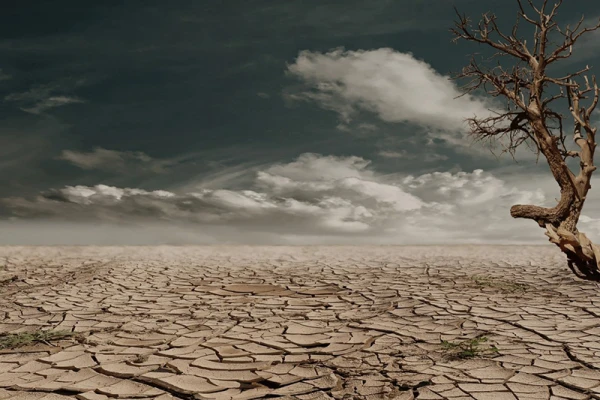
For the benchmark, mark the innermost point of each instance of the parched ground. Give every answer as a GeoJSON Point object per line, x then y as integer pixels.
{"type": "Point", "coordinates": [457, 322]}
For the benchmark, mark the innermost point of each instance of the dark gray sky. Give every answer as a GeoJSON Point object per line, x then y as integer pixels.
{"type": "Point", "coordinates": [258, 121]}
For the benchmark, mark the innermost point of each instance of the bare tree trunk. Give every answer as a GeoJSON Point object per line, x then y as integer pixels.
{"type": "Point", "coordinates": [560, 221]}
{"type": "Point", "coordinates": [529, 111]}
{"type": "Point", "coordinates": [582, 254]}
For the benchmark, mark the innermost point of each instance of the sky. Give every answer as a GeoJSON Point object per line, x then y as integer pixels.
{"type": "Point", "coordinates": [293, 122]}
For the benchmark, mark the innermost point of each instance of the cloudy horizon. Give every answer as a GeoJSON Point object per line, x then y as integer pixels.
{"type": "Point", "coordinates": [264, 124]}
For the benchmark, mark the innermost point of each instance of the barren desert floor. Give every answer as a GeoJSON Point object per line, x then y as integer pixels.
{"type": "Point", "coordinates": [456, 322]}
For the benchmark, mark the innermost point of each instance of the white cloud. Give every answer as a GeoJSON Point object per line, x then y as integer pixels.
{"type": "Point", "coordinates": [427, 157]}
{"type": "Point", "coordinates": [113, 160]}
{"type": "Point", "coordinates": [314, 199]}
{"type": "Point", "coordinates": [466, 189]}
{"type": "Point", "coordinates": [396, 154]}
{"type": "Point", "coordinates": [41, 98]}
{"type": "Point", "coordinates": [51, 102]}
{"type": "Point", "coordinates": [395, 86]}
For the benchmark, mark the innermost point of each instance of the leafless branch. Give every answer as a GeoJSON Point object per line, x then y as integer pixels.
{"type": "Point", "coordinates": [570, 37]}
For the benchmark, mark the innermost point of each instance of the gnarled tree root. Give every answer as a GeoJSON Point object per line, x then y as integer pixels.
{"type": "Point", "coordinates": [583, 256]}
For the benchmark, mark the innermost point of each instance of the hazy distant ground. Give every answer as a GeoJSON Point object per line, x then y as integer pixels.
{"type": "Point", "coordinates": [312, 322]}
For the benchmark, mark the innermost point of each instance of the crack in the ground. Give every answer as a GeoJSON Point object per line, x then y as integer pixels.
{"type": "Point", "coordinates": [363, 303]}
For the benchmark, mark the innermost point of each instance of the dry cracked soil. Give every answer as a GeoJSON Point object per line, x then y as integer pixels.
{"type": "Point", "coordinates": [309, 323]}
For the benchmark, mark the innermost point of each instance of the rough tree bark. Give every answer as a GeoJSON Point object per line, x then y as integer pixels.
{"type": "Point", "coordinates": [532, 110]}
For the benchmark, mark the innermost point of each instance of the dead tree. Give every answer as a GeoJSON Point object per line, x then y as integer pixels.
{"type": "Point", "coordinates": [532, 114]}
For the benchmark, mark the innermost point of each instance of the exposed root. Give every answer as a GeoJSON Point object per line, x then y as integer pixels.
{"type": "Point", "coordinates": [583, 256]}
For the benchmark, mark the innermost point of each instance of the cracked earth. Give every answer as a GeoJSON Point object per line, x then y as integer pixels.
{"type": "Point", "coordinates": [298, 323]}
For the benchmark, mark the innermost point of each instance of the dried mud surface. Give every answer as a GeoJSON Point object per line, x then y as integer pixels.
{"type": "Point", "coordinates": [298, 323]}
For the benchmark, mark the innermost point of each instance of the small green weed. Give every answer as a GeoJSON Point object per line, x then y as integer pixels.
{"type": "Point", "coordinates": [14, 340]}
{"type": "Point", "coordinates": [505, 286]}
{"type": "Point", "coordinates": [468, 348]}
{"type": "Point", "coordinates": [8, 281]}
